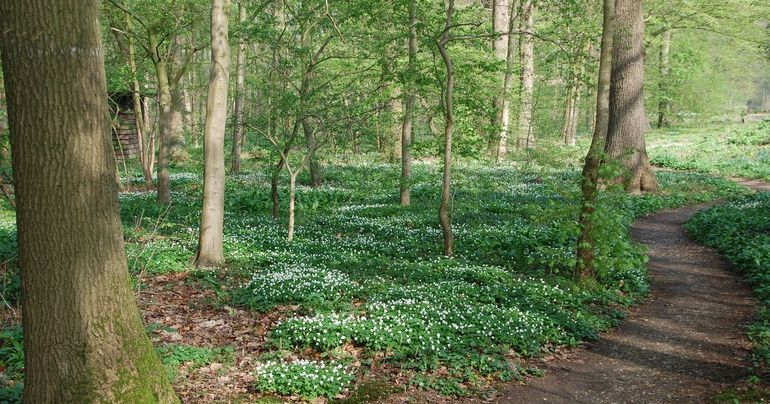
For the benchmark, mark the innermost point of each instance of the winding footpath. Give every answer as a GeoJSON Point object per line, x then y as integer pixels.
{"type": "Point", "coordinates": [683, 345]}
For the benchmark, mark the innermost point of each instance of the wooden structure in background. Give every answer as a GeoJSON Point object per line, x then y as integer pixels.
{"type": "Point", "coordinates": [125, 137]}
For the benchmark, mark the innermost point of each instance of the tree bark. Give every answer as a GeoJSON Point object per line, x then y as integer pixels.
{"type": "Point", "coordinates": [628, 122]}
{"type": "Point", "coordinates": [210, 246]}
{"type": "Point", "coordinates": [663, 103]}
{"type": "Point", "coordinates": [84, 340]}
{"type": "Point", "coordinates": [572, 107]}
{"type": "Point", "coordinates": [141, 124]}
{"type": "Point", "coordinates": [410, 96]}
{"type": "Point", "coordinates": [500, 43]}
{"type": "Point", "coordinates": [177, 143]}
{"type": "Point", "coordinates": [585, 267]}
{"type": "Point", "coordinates": [505, 114]}
{"type": "Point", "coordinates": [240, 88]}
{"type": "Point", "coordinates": [445, 217]}
{"type": "Point", "coordinates": [315, 167]}
{"type": "Point", "coordinates": [526, 137]}
{"type": "Point", "coordinates": [164, 118]}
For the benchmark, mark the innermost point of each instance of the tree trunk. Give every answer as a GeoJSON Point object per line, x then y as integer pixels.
{"type": "Point", "coordinates": [505, 114]}
{"type": "Point", "coordinates": [526, 137]}
{"type": "Point", "coordinates": [585, 267]}
{"type": "Point", "coordinates": [410, 96]}
{"type": "Point", "coordinates": [628, 122]}
{"type": "Point", "coordinates": [500, 26]}
{"type": "Point", "coordinates": [445, 217]}
{"type": "Point", "coordinates": [240, 87]}
{"type": "Point", "coordinates": [177, 146]}
{"type": "Point", "coordinates": [315, 167]}
{"type": "Point", "coordinates": [663, 103]}
{"type": "Point", "coordinates": [292, 193]}
{"type": "Point", "coordinates": [210, 246]}
{"type": "Point", "coordinates": [572, 107]}
{"type": "Point", "coordinates": [136, 95]}
{"type": "Point", "coordinates": [84, 340]}
{"type": "Point", "coordinates": [164, 118]}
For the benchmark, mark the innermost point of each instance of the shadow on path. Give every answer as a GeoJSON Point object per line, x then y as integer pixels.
{"type": "Point", "coordinates": [684, 345]}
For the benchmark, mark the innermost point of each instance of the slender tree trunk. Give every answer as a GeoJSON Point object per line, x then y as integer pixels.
{"type": "Point", "coordinates": [505, 115]}
{"type": "Point", "coordinates": [526, 137]}
{"type": "Point", "coordinates": [585, 267]}
{"type": "Point", "coordinates": [278, 168]}
{"type": "Point", "coordinates": [628, 122]}
{"type": "Point", "coordinates": [500, 25]}
{"type": "Point", "coordinates": [444, 215]}
{"type": "Point", "coordinates": [136, 95]}
{"type": "Point", "coordinates": [315, 167]}
{"type": "Point", "coordinates": [292, 193]}
{"type": "Point", "coordinates": [210, 247]}
{"type": "Point", "coordinates": [178, 145]}
{"type": "Point", "coordinates": [663, 104]}
{"type": "Point", "coordinates": [164, 118]}
{"type": "Point", "coordinates": [240, 86]}
{"type": "Point", "coordinates": [150, 139]}
{"type": "Point", "coordinates": [572, 108]}
{"type": "Point", "coordinates": [84, 340]}
{"type": "Point", "coordinates": [411, 95]}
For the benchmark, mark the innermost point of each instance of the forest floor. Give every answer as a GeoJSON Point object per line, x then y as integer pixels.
{"type": "Point", "coordinates": [687, 343]}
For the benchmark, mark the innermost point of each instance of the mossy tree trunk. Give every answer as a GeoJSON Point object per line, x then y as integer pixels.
{"type": "Point", "coordinates": [210, 245]}
{"type": "Point", "coordinates": [83, 337]}
{"type": "Point", "coordinates": [585, 267]}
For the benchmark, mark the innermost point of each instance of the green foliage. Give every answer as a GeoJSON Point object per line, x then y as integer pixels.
{"type": "Point", "coordinates": [308, 379]}
{"type": "Point", "coordinates": [175, 355]}
{"type": "Point", "coordinates": [741, 231]}
{"type": "Point", "coordinates": [11, 365]}
{"type": "Point", "coordinates": [757, 134]}
{"type": "Point", "coordinates": [741, 150]}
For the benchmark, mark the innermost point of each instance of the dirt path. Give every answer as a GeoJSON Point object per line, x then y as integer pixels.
{"type": "Point", "coordinates": [684, 345]}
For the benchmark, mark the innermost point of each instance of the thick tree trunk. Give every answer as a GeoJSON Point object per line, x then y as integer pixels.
{"type": "Point", "coordinates": [505, 114]}
{"type": "Point", "coordinates": [585, 267]}
{"type": "Point", "coordinates": [164, 120]}
{"type": "Point", "coordinates": [628, 122]}
{"type": "Point", "coordinates": [663, 103]}
{"type": "Point", "coordinates": [240, 88]}
{"type": "Point", "coordinates": [526, 137]}
{"type": "Point", "coordinates": [444, 215]}
{"type": "Point", "coordinates": [410, 96]}
{"type": "Point", "coordinates": [210, 246]}
{"type": "Point", "coordinates": [84, 340]}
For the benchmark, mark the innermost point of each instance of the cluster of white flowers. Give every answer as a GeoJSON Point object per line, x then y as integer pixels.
{"type": "Point", "coordinates": [304, 377]}
{"type": "Point", "coordinates": [294, 282]}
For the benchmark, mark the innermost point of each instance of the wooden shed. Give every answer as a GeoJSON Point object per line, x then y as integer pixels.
{"type": "Point", "coordinates": [125, 137]}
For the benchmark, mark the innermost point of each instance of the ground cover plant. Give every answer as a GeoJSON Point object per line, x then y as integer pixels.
{"type": "Point", "coordinates": [362, 292]}
{"type": "Point", "coordinates": [740, 230]}
{"type": "Point", "coordinates": [735, 150]}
